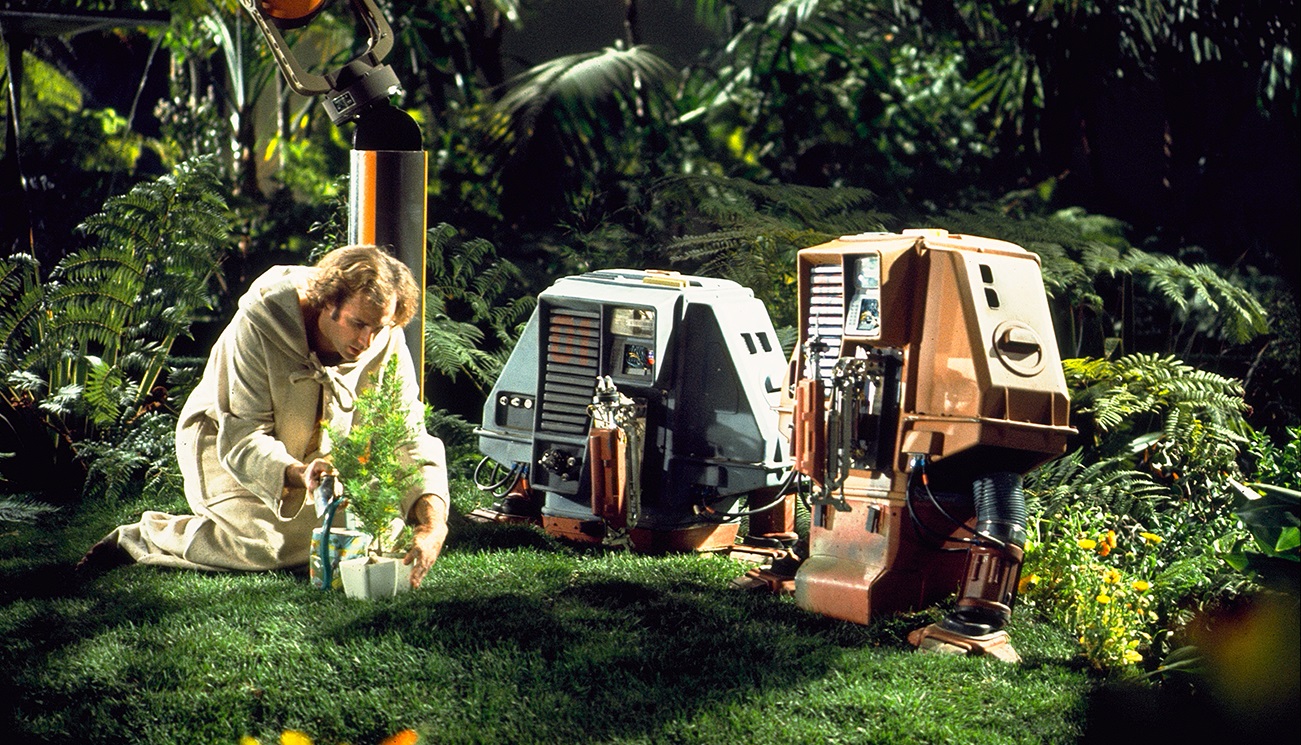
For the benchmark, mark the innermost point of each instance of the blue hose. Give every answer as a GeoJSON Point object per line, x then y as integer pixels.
{"type": "Point", "coordinates": [327, 570]}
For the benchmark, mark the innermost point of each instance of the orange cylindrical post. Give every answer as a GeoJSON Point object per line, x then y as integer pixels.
{"type": "Point", "coordinates": [387, 209]}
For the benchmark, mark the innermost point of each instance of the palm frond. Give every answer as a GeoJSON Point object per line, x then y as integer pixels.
{"type": "Point", "coordinates": [579, 95]}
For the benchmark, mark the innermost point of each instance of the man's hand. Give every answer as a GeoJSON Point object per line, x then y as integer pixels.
{"type": "Point", "coordinates": [309, 475]}
{"type": "Point", "coordinates": [429, 514]}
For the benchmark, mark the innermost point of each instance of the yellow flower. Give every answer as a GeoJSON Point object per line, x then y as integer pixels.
{"type": "Point", "coordinates": [1103, 598]}
{"type": "Point", "coordinates": [1141, 585]}
{"type": "Point", "coordinates": [1132, 657]}
{"type": "Point", "coordinates": [294, 737]}
{"type": "Point", "coordinates": [1111, 577]}
{"type": "Point", "coordinates": [1151, 537]}
{"type": "Point", "coordinates": [1088, 544]}
{"type": "Point", "coordinates": [1027, 582]}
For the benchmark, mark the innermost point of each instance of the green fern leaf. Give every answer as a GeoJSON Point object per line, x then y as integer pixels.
{"type": "Point", "coordinates": [103, 391]}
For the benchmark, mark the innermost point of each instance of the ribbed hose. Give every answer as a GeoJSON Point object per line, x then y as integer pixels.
{"type": "Point", "coordinates": [1000, 507]}
{"type": "Point", "coordinates": [993, 564]}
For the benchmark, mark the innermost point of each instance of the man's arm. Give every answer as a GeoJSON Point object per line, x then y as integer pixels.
{"type": "Point", "coordinates": [428, 518]}
{"type": "Point", "coordinates": [246, 441]}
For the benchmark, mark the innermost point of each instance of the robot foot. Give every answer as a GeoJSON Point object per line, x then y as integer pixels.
{"type": "Point", "coordinates": [764, 578]}
{"type": "Point", "coordinates": [935, 638]}
{"type": "Point", "coordinates": [777, 576]}
{"type": "Point", "coordinates": [503, 513]}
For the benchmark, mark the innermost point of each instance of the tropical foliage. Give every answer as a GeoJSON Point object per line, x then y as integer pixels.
{"type": "Point", "coordinates": [1270, 510]}
{"type": "Point", "coordinates": [475, 304]}
{"type": "Point", "coordinates": [83, 348]}
{"type": "Point", "coordinates": [1130, 528]}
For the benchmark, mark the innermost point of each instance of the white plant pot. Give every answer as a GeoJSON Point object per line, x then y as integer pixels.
{"type": "Point", "coordinates": [368, 577]}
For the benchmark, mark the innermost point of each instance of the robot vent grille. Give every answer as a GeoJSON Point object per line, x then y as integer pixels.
{"type": "Point", "coordinates": [572, 366]}
{"type": "Point", "coordinates": [826, 312]}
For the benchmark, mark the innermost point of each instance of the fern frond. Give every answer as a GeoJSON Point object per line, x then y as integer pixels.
{"type": "Point", "coordinates": [1186, 286]}
{"type": "Point", "coordinates": [22, 380]}
{"type": "Point", "coordinates": [506, 317]}
{"type": "Point", "coordinates": [116, 464]}
{"type": "Point", "coordinates": [730, 200]}
{"type": "Point", "coordinates": [121, 300]}
{"type": "Point", "coordinates": [705, 246]}
{"type": "Point", "coordinates": [61, 402]}
{"type": "Point", "coordinates": [17, 271]}
{"type": "Point", "coordinates": [83, 327]}
{"type": "Point", "coordinates": [452, 347]}
{"type": "Point", "coordinates": [1069, 483]}
{"type": "Point", "coordinates": [103, 391]}
{"type": "Point", "coordinates": [21, 317]}
{"type": "Point", "coordinates": [15, 510]}
{"type": "Point", "coordinates": [468, 275]}
{"type": "Point", "coordinates": [456, 433]}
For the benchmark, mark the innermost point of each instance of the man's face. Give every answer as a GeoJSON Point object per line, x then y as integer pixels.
{"type": "Point", "coordinates": [348, 329]}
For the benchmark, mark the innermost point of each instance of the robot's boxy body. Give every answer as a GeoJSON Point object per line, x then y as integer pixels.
{"type": "Point", "coordinates": [926, 375]}
{"type": "Point", "coordinates": [925, 381]}
{"type": "Point", "coordinates": [701, 362]}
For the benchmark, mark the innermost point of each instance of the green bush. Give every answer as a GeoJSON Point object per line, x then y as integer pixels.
{"type": "Point", "coordinates": [1128, 529]}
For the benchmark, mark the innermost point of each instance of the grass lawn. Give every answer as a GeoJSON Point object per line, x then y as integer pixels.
{"type": "Point", "coordinates": [514, 638]}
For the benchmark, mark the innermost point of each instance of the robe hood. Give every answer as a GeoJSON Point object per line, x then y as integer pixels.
{"type": "Point", "coordinates": [271, 304]}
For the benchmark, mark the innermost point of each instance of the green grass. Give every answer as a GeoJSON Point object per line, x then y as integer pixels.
{"type": "Point", "coordinates": [514, 638]}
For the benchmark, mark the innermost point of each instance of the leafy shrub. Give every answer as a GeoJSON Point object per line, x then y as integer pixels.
{"type": "Point", "coordinates": [1128, 528]}
{"type": "Point", "coordinates": [1271, 464]}
{"type": "Point", "coordinates": [1270, 511]}
{"type": "Point", "coordinates": [143, 458]}
{"type": "Point", "coordinates": [82, 349]}
{"type": "Point", "coordinates": [1075, 576]}
{"type": "Point", "coordinates": [369, 459]}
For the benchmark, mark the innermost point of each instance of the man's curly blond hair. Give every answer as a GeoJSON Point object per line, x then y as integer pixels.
{"type": "Point", "coordinates": [368, 271]}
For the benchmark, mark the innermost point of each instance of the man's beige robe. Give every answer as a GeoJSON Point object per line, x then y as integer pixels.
{"type": "Point", "coordinates": [256, 411]}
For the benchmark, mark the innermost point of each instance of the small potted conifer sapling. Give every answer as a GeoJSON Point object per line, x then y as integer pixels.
{"type": "Point", "coordinates": [371, 463]}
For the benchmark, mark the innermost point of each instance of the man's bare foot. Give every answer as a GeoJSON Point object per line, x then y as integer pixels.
{"type": "Point", "coordinates": [102, 557]}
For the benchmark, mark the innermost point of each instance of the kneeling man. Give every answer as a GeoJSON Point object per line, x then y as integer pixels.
{"type": "Point", "coordinates": [303, 343]}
